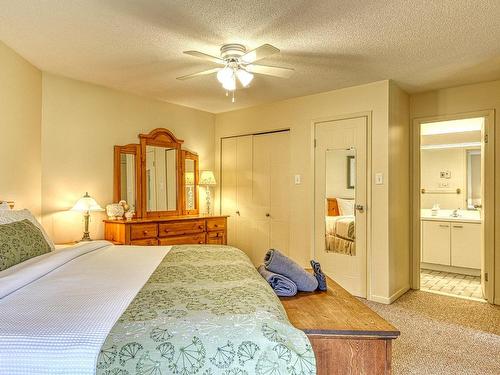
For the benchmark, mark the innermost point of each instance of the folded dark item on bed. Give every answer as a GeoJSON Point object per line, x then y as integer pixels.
{"type": "Point", "coordinates": [282, 285]}
{"type": "Point", "coordinates": [279, 263]}
{"type": "Point", "coordinates": [320, 276]}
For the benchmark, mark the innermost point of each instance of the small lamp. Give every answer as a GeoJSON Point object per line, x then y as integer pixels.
{"type": "Point", "coordinates": [86, 204]}
{"type": "Point", "coordinates": [207, 179]}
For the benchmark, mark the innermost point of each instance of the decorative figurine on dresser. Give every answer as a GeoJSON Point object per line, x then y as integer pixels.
{"type": "Point", "coordinates": [159, 180]}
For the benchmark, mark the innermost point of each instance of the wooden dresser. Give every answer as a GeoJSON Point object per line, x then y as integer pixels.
{"type": "Point", "coordinates": [346, 335]}
{"type": "Point", "coordinates": [173, 230]}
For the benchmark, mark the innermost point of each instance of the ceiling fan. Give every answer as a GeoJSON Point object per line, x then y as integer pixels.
{"type": "Point", "coordinates": [238, 64]}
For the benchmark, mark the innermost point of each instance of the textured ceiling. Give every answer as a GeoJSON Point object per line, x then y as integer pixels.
{"type": "Point", "coordinates": [136, 45]}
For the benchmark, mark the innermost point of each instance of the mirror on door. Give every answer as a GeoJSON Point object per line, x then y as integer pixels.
{"type": "Point", "coordinates": [340, 177]}
{"type": "Point", "coordinates": [128, 179]}
{"type": "Point", "coordinates": [161, 178]}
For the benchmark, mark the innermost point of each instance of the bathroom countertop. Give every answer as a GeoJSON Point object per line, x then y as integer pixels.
{"type": "Point", "coordinates": [465, 216]}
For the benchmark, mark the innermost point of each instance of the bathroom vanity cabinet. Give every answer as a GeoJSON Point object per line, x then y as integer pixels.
{"type": "Point", "coordinates": [451, 243]}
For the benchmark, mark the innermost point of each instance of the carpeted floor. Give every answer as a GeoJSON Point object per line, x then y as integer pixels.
{"type": "Point", "coordinates": [443, 335]}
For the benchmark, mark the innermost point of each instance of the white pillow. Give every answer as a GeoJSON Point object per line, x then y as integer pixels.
{"type": "Point", "coordinates": [11, 216]}
{"type": "Point", "coordinates": [346, 206]}
{"type": "Point", "coordinates": [4, 206]}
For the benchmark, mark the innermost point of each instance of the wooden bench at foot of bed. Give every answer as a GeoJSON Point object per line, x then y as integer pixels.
{"type": "Point", "coordinates": [347, 336]}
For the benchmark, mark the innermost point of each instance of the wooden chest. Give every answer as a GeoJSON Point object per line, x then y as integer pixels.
{"type": "Point", "coordinates": [175, 230]}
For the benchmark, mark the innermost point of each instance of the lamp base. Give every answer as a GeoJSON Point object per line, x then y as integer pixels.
{"type": "Point", "coordinates": [86, 237]}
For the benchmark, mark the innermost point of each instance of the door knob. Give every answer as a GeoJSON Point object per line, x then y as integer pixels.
{"type": "Point", "coordinates": [238, 212]}
{"type": "Point", "coordinates": [359, 207]}
{"type": "Point", "coordinates": [267, 215]}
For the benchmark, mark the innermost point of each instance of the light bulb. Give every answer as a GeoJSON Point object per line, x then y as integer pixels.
{"type": "Point", "coordinates": [224, 74]}
{"type": "Point", "coordinates": [230, 83]}
{"type": "Point", "coordinates": [244, 77]}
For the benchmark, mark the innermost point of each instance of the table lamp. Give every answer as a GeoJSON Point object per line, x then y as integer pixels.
{"type": "Point", "coordinates": [86, 204]}
{"type": "Point", "coordinates": [207, 179]}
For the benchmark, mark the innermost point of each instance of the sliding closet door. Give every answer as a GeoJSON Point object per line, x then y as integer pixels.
{"type": "Point", "coordinates": [271, 182]}
{"type": "Point", "coordinates": [236, 190]}
{"type": "Point", "coordinates": [255, 186]}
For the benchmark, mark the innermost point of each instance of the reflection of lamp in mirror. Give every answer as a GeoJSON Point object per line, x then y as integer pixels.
{"type": "Point", "coordinates": [207, 179]}
{"type": "Point", "coordinates": [189, 182]}
{"type": "Point", "coordinates": [86, 204]}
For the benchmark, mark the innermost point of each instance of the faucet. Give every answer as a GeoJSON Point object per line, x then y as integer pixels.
{"type": "Point", "coordinates": [455, 213]}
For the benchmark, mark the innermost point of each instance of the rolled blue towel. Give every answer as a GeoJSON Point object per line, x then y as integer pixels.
{"type": "Point", "coordinates": [282, 286]}
{"type": "Point", "coordinates": [320, 276]}
{"type": "Point", "coordinates": [279, 263]}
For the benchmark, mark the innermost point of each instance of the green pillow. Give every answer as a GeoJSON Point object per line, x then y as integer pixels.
{"type": "Point", "coordinates": [20, 241]}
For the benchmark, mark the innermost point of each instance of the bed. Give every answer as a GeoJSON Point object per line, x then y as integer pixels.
{"type": "Point", "coordinates": [340, 229]}
{"type": "Point", "coordinates": [104, 309]}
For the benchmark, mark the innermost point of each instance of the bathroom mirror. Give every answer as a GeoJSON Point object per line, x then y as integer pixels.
{"type": "Point", "coordinates": [127, 176]}
{"type": "Point", "coordinates": [340, 231]}
{"type": "Point", "coordinates": [473, 179]}
{"type": "Point", "coordinates": [190, 163]}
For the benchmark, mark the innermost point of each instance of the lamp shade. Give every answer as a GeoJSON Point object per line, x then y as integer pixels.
{"type": "Point", "coordinates": [207, 178]}
{"type": "Point", "coordinates": [87, 203]}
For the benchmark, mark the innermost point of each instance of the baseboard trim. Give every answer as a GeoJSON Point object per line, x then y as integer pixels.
{"type": "Point", "coordinates": [392, 298]}
{"type": "Point", "coordinates": [451, 269]}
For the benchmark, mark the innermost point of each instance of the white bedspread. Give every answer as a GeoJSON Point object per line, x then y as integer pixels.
{"type": "Point", "coordinates": [57, 322]}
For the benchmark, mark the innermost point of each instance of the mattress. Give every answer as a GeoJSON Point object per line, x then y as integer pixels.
{"type": "Point", "coordinates": [148, 310]}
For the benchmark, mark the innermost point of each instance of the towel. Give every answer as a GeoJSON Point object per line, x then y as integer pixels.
{"type": "Point", "coordinates": [320, 276]}
{"type": "Point", "coordinates": [282, 286]}
{"type": "Point", "coordinates": [279, 263]}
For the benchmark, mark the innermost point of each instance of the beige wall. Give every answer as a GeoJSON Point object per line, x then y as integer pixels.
{"type": "Point", "coordinates": [20, 117]}
{"type": "Point", "coordinates": [81, 123]}
{"type": "Point", "coordinates": [299, 115]}
{"type": "Point", "coordinates": [463, 99]}
{"type": "Point", "coordinates": [399, 192]}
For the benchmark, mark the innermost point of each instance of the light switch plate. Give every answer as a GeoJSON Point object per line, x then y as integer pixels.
{"type": "Point", "coordinates": [379, 178]}
{"type": "Point", "coordinates": [298, 179]}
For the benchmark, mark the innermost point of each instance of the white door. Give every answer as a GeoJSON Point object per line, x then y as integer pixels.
{"type": "Point", "coordinates": [236, 190]}
{"type": "Point", "coordinates": [270, 192]}
{"type": "Point", "coordinates": [255, 182]}
{"type": "Point", "coordinates": [340, 201]}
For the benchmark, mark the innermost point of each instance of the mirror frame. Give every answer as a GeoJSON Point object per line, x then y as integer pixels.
{"type": "Point", "coordinates": [132, 149]}
{"type": "Point", "coordinates": [162, 138]}
{"type": "Point", "coordinates": [188, 155]}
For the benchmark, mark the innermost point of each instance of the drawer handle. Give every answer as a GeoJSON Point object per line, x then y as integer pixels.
{"type": "Point", "coordinates": [200, 242]}
{"type": "Point", "coordinates": [216, 226]}
{"type": "Point", "coordinates": [145, 232]}
{"type": "Point", "coordinates": [457, 226]}
{"type": "Point", "coordinates": [443, 226]}
{"type": "Point", "coordinates": [200, 226]}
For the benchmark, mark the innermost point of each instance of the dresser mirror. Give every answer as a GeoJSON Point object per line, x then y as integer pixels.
{"type": "Point", "coordinates": [127, 176]}
{"type": "Point", "coordinates": [190, 183]}
{"type": "Point", "coordinates": [161, 179]}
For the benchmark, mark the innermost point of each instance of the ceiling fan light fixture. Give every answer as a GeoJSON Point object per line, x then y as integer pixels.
{"type": "Point", "coordinates": [230, 83]}
{"type": "Point", "coordinates": [224, 74]}
{"type": "Point", "coordinates": [244, 77]}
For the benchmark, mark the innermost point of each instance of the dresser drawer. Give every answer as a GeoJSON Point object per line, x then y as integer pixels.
{"type": "Point", "coordinates": [145, 242]}
{"type": "Point", "coordinates": [218, 237]}
{"type": "Point", "coordinates": [183, 240]}
{"type": "Point", "coordinates": [181, 227]}
{"type": "Point", "coordinates": [140, 231]}
{"type": "Point", "coordinates": [216, 224]}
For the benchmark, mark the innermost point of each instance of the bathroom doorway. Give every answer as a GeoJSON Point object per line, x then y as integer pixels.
{"type": "Point", "coordinates": [452, 206]}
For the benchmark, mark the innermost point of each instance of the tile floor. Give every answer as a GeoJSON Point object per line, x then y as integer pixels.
{"type": "Point", "coordinates": [453, 284]}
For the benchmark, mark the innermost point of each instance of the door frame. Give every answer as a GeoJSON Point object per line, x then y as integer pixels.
{"type": "Point", "coordinates": [489, 198]}
{"type": "Point", "coordinates": [368, 116]}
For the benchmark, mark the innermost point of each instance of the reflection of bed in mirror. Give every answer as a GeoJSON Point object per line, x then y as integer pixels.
{"type": "Point", "coordinates": [340, 233]}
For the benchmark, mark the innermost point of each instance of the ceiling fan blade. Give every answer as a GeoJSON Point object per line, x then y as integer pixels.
{"type": "Point", "coordinates": [269, 70]}
{"type": "Point", "coordinates": [259, 53]}
{"type": "Point", "coordinates": [204, 56]}
{"type": "Point", "coordinates": [203, 73]}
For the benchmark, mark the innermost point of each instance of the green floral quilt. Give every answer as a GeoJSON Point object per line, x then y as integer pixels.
{"type": "Point", "coordinates": [205, 310]}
